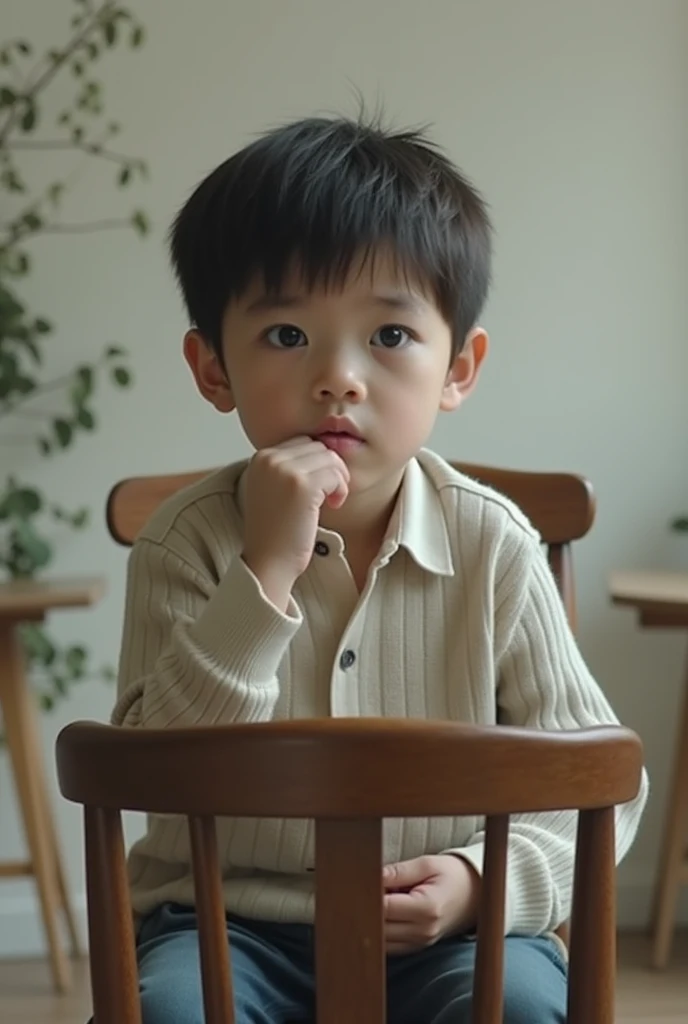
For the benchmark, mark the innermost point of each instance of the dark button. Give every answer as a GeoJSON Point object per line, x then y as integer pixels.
{"type": "Point", "coordinates": [321, 548]}
{"type": "Point", "coordinates": [347, 659]}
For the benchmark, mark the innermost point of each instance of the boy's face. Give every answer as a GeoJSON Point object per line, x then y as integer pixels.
{"type": "Point", "coordinates": [365, 367]}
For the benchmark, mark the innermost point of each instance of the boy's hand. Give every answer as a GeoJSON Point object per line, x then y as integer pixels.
{"type": "Point", "coordinates": [285, 489]}
{"type": "Point", "coordinates": [427, 898]}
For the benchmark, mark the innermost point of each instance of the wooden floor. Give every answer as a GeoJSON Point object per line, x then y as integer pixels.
{"type": "Point", "coordinates": [645, 996]}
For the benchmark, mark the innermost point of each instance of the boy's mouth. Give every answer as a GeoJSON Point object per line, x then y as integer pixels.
{"type": "Point", "coordinates": [339, 434]}
{"type": "Point", "coordinates": [340, 442]}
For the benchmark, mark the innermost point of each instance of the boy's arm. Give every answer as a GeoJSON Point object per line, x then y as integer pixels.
{"type": "Point", "coordinates": [197, 652]}
{"type": "Point", "coordinates": [544, 683]}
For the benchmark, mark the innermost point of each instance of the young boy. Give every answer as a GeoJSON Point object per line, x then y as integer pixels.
{"type": "Point", "coordinates": [334, 275]}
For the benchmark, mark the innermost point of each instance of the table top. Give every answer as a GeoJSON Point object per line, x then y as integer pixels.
{"type": "Point", "coordinates": [28, 599]}
{"type": "Point", "coordinates": [649, 588]}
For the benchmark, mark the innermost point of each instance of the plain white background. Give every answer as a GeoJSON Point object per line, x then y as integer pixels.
{"type": "Point", "coordinates": [572, 118]}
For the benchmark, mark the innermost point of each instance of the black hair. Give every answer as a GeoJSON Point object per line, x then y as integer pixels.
{"type": "Point", "coordinates": [320, 193]}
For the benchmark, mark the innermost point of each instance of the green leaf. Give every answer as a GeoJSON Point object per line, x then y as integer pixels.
{"type": "Point", "coordinates": [80, 519]}
{"type": "Point", "coordinates": [32, 221]}
{"type": "Point", "coordinates": [75, 660]}
{"type": "Point", "coordinates": [121, 376]}
{"type": "Point", "coordinates": [680, 524]}
{"type": "Point", "coordinates": [44, 446]}
{"type": "Point", "coordinates": [60, 685]}
{"type": "Point", "coordinates": [140, 222]}
{"type": "Point", "coordinates": [37, 644]}
{"type": "Point", "coordinates": [124, 175]}
{"type": "Point", "coordinates": [24, 48]}
{"type": "Point", "coordinates": [113, 351]}
{"type": "Point", "coordinates": [20, 503]}
{"type": "Point", "coordinates": [77, 68]}
{"type": "Point", "coordinates": [63, 432]}
{"type": "Point", "coordinates": [137, 37]}
{"type": "Point", "coordinates": [86, 419]}
{"type": "Point", "coordinates": [65, 117]}
{"type": "Point", "coordinates": [8, 97]}
{"type": "Point", "coordinates": [110, 32]}
{"type": "Point", "coordinates": [42, 326]}
{"type": "Point", "coordinates": [5, 59]}
{"type": "Point", "coordinates": [28, 119]}
{"type": "Point", "coordinates": [82, 387]}
{"type": "Point", "coordinates": [31, 551]}
{"type": "Point", "coordinates": [47, 702]}
{"type": "Point", "coordinates": [11, 180]}
{"type": "Point", "coordinates": [108, 674]}
{"type": "Point", "coordinates": [77, 133]}
{"type": "Point", "coordinates": [92, 50]}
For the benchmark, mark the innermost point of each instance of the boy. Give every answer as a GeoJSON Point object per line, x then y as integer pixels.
{"type": "Point", "coordinates": [334, 275]}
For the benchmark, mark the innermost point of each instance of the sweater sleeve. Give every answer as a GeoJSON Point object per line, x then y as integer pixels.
{"type": "Point", "coordinates": [196, 651]}
{"type": "Point", "coordinates": [544, 683]}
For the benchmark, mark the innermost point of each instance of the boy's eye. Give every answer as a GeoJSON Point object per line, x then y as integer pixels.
{"type": "Point", "coordinates": [391, 336]}
{"type": "Point", "coordinates": [286, 336]}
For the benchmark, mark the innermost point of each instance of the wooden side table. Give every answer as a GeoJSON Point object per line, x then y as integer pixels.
{"type": "Point", "coordinates": [25, 601]}
{"type": "Point", "coordinates": [661, 600]}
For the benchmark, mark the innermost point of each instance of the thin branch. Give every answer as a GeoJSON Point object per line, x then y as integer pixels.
{"type": "Point", "coordinates": [53, 385]}
{"type": "Point", "coordinates": [53, 67]}
{"type": "Point", "coordinates": [92, 148]}
{"type": "Point", "coordinates": [77, 229]}
{"type": "Point", "coordinates": [26, 414]}
{"type": "Point", "coordinates": [68, 229]}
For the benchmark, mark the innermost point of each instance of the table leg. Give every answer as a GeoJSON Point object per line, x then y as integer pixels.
{"type": "Point", "coordinates": [20, 732]}
{"type": "Point", "coordinates": [671, 868]}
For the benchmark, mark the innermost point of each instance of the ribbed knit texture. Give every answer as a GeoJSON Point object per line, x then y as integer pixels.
{"type": "Point", "coordinates": [460, 620]}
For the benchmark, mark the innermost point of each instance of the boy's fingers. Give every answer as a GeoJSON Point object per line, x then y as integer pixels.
{"type": "Point", "coordinates": [405, 907]}
{"type": "Point", "coordinates": [405, 874]}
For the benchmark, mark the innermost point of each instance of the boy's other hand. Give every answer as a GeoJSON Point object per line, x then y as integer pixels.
{"type": "Point", "coordinates": [286, 487]}
{"type": "Point", "coordinates": [427, 898]}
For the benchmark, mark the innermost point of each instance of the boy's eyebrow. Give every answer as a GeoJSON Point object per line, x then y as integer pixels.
{"type": "Point", "coordinates": [405, 302]}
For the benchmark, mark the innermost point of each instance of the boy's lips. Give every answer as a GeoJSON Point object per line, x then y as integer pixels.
{"type": "Point", "coordinates": [341, 443]}
{"type": "Point", "coordinates": [339, 434]}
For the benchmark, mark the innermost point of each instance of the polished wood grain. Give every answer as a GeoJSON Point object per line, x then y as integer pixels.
{"type": "Point", "coordinates": [110, 921]}
{"type": "Point", "coordinates": [23, 600]}
{"type": "Point", "coordinates": [660, 600]}
{"type": "Point", "coordinates": [29, 601]}
{"type": "Point", "coordinates": [216, 975]}
{"type": "Point", "coordinates": [349, 774]}
{"type": "Point", "coordinates": [349, 921]}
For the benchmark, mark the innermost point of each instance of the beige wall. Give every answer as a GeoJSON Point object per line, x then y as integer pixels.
{"type": "Point", "coordinates": [573, 118]}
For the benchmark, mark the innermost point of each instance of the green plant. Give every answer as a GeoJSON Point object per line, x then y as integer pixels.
{"type": "Point", "coordinates": [680, 524]}
{"type": "Point", "coordinates": [52, 413]}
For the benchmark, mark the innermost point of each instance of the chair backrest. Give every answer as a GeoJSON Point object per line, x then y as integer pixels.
{"type": "Point", "coordinates": [561, 506]}
{"type": "Point", "coordinates": [348, 775]}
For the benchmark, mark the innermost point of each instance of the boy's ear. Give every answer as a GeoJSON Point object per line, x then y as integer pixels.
{"type": "Point", "coordinates": [208, 371]}
{"type": "Point", "coordinates": [464, 371]}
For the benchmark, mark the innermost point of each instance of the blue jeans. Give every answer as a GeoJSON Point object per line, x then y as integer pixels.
{"type": "Point", "coordinates": [272, 966]}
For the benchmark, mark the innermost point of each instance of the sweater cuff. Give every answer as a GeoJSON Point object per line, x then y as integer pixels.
{"type": "Point", "coordinates": [475, 855]}
{"type": "Point", "coordinates": [242, 630]}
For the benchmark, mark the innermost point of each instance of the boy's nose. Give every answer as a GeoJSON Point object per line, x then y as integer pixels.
{"type": "Point", "coordinates": [340, 383]}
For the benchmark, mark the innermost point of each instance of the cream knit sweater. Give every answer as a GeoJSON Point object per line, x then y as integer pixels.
{"type": "Point", "coordinates": [460, 619]}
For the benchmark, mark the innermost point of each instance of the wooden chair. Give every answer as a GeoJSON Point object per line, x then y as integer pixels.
{"type": "Point", "coordinates": [561, 507]}
{"type": "Point", "coordinates": [348, 774]}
